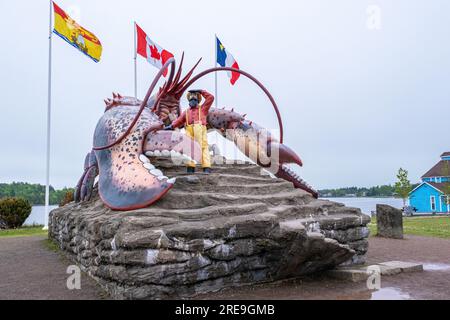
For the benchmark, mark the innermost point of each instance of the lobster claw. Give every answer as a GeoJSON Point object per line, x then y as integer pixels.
{"type": "Point", "coordinates": [285, 154]}
{"type": "Point", "coordinates": [259, 145]}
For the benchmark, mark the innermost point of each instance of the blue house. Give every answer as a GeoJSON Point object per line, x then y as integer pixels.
{"type": "Point", "coordinates": [431, 196]}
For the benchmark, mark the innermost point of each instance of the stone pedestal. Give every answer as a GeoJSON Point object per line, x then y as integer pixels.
{"type": "Point", "coordinates": [231, 228]}
{"type": "Point", "coordinates": [389, 222]}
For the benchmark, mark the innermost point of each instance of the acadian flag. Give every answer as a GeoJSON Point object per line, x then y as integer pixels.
{"type": "Point", "coordinates": [76, 35]}
{"type": "Point", "coordinates": [226, 59]}
{"type": "Point", "coordinates": [150, 50]}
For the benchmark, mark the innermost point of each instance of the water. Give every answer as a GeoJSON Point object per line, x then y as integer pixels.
{"type": "Point", "coordinates": [368, 205]}
{"type": "Point", "coordinates": [436, 267]}
{"type": "Point", "coordinates": [390, 294]}
{"type": "Point", "coordinates": [37, 216]}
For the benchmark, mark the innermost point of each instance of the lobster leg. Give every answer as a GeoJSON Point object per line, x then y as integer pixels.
{"type": "Point", "coordinates": [83, 190]}
{"type": "Point", "coordinates": [88, 183]}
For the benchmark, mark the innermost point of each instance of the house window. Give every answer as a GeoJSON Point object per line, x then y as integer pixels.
{"type": "Point", "coordinates": [433, 203]}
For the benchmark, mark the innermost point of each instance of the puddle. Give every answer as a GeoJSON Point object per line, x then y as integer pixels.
{"type": "Point", "coordinates": [436, 267]}
{"type": "Point", "coordinates": [390, 294]}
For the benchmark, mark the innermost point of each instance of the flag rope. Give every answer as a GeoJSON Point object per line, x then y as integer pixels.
{"type": "Point", "coordinates": [49, 117]}
{"type": "Point", "coordinates": [215, 65]}
{"type": "Point", "coordinates": [135, 60]}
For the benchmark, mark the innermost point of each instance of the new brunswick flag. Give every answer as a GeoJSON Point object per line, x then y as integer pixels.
{"type": "Point", "coordinates": [76, 35]}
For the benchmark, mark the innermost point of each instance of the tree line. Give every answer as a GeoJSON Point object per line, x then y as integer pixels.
{"type": "Point", "coordinates": [377, 191]}
{"type": "Point", "coordinates": [401, 189]}
{"type": "Point", "coordinates": [34, 193]}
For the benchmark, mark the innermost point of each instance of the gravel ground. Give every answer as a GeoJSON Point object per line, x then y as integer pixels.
{"type": "Point", "coordinates": [30, 270]}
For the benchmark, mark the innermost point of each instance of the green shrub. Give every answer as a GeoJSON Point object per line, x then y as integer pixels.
{"type": "Point", "coordinates": [14, 212]}
{"type": "Point", "coordinates": [68, 198]}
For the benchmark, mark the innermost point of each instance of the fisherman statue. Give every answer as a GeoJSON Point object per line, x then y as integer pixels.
{"type": "Point", "coordinates": [195, 120]}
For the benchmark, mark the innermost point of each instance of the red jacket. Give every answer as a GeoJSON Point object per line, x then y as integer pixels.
{"type": "Point", "coordinates": [193, 115]}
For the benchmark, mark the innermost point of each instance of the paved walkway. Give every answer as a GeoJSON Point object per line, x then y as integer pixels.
{"type": "Point", "coordinates": [433, 283]}
{"type": "Point", "coordinates": [30, 270]}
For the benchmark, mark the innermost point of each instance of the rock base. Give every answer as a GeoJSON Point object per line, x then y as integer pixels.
{"type": "Point", "coordinates": [231, 228]}
{"type": "Point", "coordinates": [389, 222]}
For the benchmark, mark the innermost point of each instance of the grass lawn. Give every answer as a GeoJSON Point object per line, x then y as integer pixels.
{"type": "Point", "coordinates": [23, 232]}
{"type": "Point", "coordinates": [438, 227]}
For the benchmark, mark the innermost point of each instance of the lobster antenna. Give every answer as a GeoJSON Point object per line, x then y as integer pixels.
{"type": "Point", "coordinates": [178, 76]}
{"type": "Point", "coordinates": [272, 100]}
{"type": "Point", "coordinates": [186, 79]}
{"type": "Point", "coordinates": [169, 62]}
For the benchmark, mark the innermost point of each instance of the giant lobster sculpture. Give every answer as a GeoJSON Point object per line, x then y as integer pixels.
{"type": "Point", "coordinates": [130, 132]}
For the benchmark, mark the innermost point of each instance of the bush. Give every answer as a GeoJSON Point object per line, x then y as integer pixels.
{"type": "Point", "coordinates": [68, 198]}
{"type": "Point", "coordinates": [14, 212]}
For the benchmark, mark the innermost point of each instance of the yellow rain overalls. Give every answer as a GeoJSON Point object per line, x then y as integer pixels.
{"type": "Point", "coordinates": [198, 132]}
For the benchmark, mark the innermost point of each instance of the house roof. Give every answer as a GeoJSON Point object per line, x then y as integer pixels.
{"type": "Point", "coordinates": [440, 186]}
{"type": "Point", "coordinates": [446, 154]}
{"type": "Point", "coordinates": [441, 169]}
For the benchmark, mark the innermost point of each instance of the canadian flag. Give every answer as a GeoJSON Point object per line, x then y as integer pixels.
{"type": "Point", "coordinates": [151, 51]}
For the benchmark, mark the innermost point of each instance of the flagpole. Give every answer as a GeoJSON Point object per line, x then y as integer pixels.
{"type": "Point", "coordinates": [215, 73]}
{"type": "Point", "coordinates": [49, 117]}
{"type": "Point", "coordinates": [135, 62]}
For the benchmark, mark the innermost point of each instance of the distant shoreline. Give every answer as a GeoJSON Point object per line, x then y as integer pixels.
{"type": "Point", "coordinates": [359, 197]}
{"type": "Point", "coordinates": [34, 193]}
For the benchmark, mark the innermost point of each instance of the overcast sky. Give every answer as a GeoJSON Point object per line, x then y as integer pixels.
{"type": "Point", "coordinates": [357, 102]}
